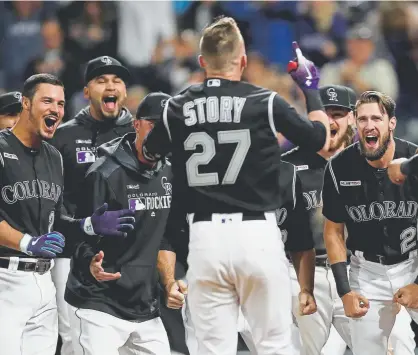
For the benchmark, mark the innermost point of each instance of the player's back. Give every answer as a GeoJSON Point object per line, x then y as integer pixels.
{"type": "Point", "coordinates": [225, 151]}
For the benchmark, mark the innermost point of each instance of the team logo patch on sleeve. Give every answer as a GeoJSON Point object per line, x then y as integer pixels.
{"type": "Point", "coordinates": [350, 183]}
{"type": "Point", "coordinates": [86, 156]}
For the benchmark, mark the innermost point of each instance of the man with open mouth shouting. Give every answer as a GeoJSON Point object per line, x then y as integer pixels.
{"type": "Point", "coordinates": [104, 119]}
{"type": "Point", "coordinates": [32, 220]}
{"type": "Point", "coordinates": [381, 220]}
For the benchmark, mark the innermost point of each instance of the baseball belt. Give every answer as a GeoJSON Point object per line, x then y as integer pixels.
{"type": "Point", "coordinates": [246, 216]}
{"type": "Point", "coordinates": [41, 266]}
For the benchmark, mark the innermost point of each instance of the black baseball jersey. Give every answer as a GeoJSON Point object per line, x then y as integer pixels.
{"type": "Point", "coordinates": [77, 141]}
{"type": "Point", "coordinates": [119, 179]}
{"type": "Point", "coordinates": [225, 154]}
{"type": "Point", "coordinates": [292, 216]}
{"type": "Point", "coordinates": [381, 217]}
{"type": "Point", "coordinates": [32, 183]}
{"type": "Point", "coordinates": [310, 169]}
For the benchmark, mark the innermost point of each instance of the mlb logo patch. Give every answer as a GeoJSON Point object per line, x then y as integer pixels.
{"type": "Point", "coordinates": [302, 167]}
{"type": "Point", "coordinates": [85, 157]}
{"type": "Point", "coordinates": [10, 156]}
{"type": "Point", "coordinates": [350, 183]}
{"type": "Point", "coordinates": [213, 82]}
{"type": "Point", "coordinates": [135, 204]}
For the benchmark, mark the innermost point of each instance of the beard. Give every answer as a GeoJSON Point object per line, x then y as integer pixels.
{"type": "Point", "coordinates": [379, 152]}
{"type": "Point", "coordinates": [344, 140]}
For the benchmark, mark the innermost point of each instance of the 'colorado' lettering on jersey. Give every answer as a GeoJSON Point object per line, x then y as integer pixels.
{"type": "Point", "coordinates": [310, 169]}
{"type": "Point", "coordinates": [312, 199]}
{"type": "Point", "coordinates": [379, 211]}
{"type": "Point", "coordinates": [24, 190]}
{"type": "Point", "coordinates": [212, 109]}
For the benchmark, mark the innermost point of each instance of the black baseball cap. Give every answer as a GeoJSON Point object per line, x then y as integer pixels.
{"type": "Point", "coordinates": [353, 98]}
{"type": "Point", "coordinates": [105, 65]}
{"type": "Point", "coordinates": [11, 103]}
{"type": "Point", "coordinates": [151, 106]}
{"type": "Point", "coordinates": [337, 96]}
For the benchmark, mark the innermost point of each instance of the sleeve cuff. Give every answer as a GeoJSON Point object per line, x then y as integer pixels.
{"type": "Point", "coordinates": [87, 226]}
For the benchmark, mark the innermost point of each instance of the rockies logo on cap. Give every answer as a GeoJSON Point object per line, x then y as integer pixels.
{"type": "Point", "coordinates": [18, 96]}
{"type": "Point", "coordinates": [332, 94]}
{"type": "Point", "coordinates": [106, 60]}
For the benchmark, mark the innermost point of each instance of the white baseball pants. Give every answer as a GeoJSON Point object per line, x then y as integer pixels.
{"type": "Point", "coordinates": [378, 283]}
{"type": "Point", "coordinates": [96, 333]}
{"type": "Point", "coordinates": [59, 276]}
{"type": "Point", "coordinates": [28, 313]}
{"type": "Point", "coordinates": [232, 264]}
{"type": "Point", "coordinates": [315, 329]}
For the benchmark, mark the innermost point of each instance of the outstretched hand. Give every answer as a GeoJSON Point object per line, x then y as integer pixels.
{"type": "Point", "coordinates": [110, 223]}
{"type": "Point", "coordinates": [97, 270]}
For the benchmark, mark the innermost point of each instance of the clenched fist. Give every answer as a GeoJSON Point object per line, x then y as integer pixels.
{"type": "Point", "coordinates": [355, 305]}
{"type": "Point", "coordinates": [394, 171]}
{"type": "Point", "coordinates": [176, 292]}
{"type": "Point", "coordinates": [307, 303]}
{"type": "Point", "coordinates": [407, 296]}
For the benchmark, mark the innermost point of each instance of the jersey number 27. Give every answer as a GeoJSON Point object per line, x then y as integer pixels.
{"type": "Point", "coordinates": [240, 137]}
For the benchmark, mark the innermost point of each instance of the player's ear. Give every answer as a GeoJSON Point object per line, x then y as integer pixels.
{"type": "Point", "coordinates": [392, 123]}
{"type": "Point", "coordinates": [244, 61]}
{"type": "Point", "coordinates": [86, 93]}
{"type": "Point", "coordinates": [136, 125]}
{"type": "Point", "coordinates": [202, 61]}
{"type": "Point", "coordinates": [351, 120]}
{"type": "Point", "coordinates": [25, 103]}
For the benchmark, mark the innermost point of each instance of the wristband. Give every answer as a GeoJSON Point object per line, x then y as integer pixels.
{"type": "Point", "coordinates": [313, 100]}
{"type": "Point", "coordinates": [24, 242]}
{"type": "Point", "coordinates": [339, 271]}
{"type": "Point", "coordinates": [87, 226]}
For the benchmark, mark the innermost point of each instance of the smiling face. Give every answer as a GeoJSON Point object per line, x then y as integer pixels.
{"type": "Point", "coordinates": [375, 129]}
{"type": "Point", "coordinates": [107, 94]}
{"type": "Point", "coordinates": [46, 109]}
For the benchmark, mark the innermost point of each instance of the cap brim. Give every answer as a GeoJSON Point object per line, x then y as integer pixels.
{"type": "Point", "coordinates": [337, 105]}
{"type": "Point", "coordinates": [11, 108]}
{"type": "Point", "coordinates": [117, 70]}
{"type": "Point", "coordinates": [149, 118]}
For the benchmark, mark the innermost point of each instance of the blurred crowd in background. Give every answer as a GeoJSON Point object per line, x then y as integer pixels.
{"type": "Point", "coordinates": [367, 45]}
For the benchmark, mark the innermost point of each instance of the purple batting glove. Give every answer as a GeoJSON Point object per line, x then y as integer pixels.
{"type": "Point", "coordinates": [46, 246]}
{"type": "Point", "coordinates": [109, 223]}
{"type": "Point", "coordinates": [302, 70]}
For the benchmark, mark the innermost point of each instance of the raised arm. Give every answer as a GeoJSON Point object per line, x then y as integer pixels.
{"type": "Point", "coordinates": [313, 132]}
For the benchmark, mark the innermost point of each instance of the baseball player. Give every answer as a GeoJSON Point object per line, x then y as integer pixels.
{"type": "Point", "coordinates": [380, 218]}
{"type": "Point", "coordinates": [104, 119]}
{"type": "Point", "coordinates": [10, 108]}
{"type": "Point", "coordinates": [113, 283]}
{"type": "Point", "coordinates": [31, 218]}
{"type": "Point", "coordinates": [315, 329]}
{"type": "Point", "coordinates": [222, 134]}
